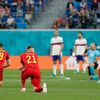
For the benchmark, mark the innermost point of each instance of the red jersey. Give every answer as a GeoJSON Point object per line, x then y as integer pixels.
{"type": "Point", "coordinates": [3, 57]}
{"type": "Point", "coordinates": [29, 60]}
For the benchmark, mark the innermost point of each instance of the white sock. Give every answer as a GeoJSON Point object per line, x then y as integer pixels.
{"type": "Point", "coordinates": [61, 69]}
{"type": "Point", "coordinates": [84, 67]}
{"type": "Point", "coordinates": [54, 69]}
{"type": "Point", "coordinates": [77, 67]}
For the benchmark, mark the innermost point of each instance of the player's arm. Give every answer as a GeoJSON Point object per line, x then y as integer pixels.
{"type": "Point", "coordinates": [86, 51]}
{"type": "Point", "coordinates": [85, 44]}
{"type": "Point", "coordinates": [21, 68]}
{"type": "Point", "coordinates": [7, 64]}
{"type": "Point", "coordinates": [75, 47]}
{"type": "Point", "coordinates": [62, 45]}
{"type": "Point", "coordinates": [22, 63]}
{"type": "Point", "coordinates": [51, 47]}
{"type": "Point", "coordinates": [86, 48]}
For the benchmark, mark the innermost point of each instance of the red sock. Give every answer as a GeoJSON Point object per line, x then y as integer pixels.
{"type": "Point", "coordinates": [23, 83]}
{"type": "Point", "coordinates": [99, 74]}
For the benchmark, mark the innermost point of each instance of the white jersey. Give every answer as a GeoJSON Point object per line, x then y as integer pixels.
{"type": "Point", "coordinates": [80, 46]}
{"type": "Point", "coordinates": [56, 45]}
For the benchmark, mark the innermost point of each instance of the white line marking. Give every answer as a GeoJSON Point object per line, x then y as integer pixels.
{"type": "Point", "coordinates": [47, 80]}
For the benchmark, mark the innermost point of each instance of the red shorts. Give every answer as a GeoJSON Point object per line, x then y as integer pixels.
{"type": "Point", "coordinates": [1, 74]}
{"type": "Point", "coordinates": [34, 74]}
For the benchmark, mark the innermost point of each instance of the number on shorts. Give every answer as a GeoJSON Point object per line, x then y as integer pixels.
{"type": "Point", "coordinates": [30, 59]}
{"type": "Point", "coordinates": [1, 56]}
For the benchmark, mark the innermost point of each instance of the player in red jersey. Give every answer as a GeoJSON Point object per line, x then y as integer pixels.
{"type": "Point", "coordinates": [4, 62]}
{"type": "Point", "coordinates": [30, 68]}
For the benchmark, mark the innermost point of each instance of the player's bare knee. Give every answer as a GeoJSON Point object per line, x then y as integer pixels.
{"type": "Point", "coordinates": [54, 62]}
{"type": "Point", "coordinates": [60, 62]}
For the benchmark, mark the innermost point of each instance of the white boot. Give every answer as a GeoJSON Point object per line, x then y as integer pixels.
{"type": "Point", "coordinates": [45, 90]}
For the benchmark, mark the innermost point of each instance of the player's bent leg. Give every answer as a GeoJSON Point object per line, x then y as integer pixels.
{"type": "Point", "coordinates": [95, 77]}
{"type": "Point", "coordinates": [38, 89]}
{"type": "Point", "coordinates": [99, 73]}
{"type": "Point", "coordinates": [23, 81]}
{"type": "Point", "coordinates": [89, 73]}
{"type": "Point", "coordinates": [36, 80]}
{"type": "Point", "coordinates": [98, 76]}
{"type": "Point", "coordinates": [36, 83]}
{"type": "Point", "coordinates": [91, 68]}
{"type": "Point", "coordinates": [1, 77]}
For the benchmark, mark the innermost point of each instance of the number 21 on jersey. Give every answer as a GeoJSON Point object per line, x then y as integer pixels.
{"type": "Point", "coordinates": [31, 59]}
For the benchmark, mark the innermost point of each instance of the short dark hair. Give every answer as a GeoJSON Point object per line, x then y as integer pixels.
{"type": "Point", "coordinates": [94, 44]}
{"type": "Point", "coordinates": [28, 47]}
{"type": "Point", "coordinates": [1, 45]}
{"type": "Point", "coordinates": [80, 33]}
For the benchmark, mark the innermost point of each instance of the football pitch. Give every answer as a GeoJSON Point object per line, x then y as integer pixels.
{"type": "Point", "coordinates": [78, 88]}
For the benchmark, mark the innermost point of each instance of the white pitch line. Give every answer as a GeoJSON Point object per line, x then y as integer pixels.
{"type": "Point", "coordinates": [41, 77]}
{"type": "Point", "coordinates": [29, 80]}
{"type": "Point", "coordinates": [47, 80]}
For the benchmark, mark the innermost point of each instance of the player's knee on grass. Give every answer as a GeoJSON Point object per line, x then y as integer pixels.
{"type": "Point", "coordinates": [95, 77]}
{"type": "Point", "coordinates": [36, 84]}
{"type": "Point", "coordinates": [38, 89]}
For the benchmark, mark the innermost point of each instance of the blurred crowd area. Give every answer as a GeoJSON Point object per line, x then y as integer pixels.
{"type": "Point", "coordinates": [19, 14]}
{"type": "Point", "coordinates": [79, 14]}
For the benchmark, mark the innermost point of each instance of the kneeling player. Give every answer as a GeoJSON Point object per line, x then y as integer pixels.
{"type": "Point", "coordinates": [92, 54]}
{"type": "Point", "coordinates": [31, 69]}
{"type": "Point", "coordinates": [4, 62]}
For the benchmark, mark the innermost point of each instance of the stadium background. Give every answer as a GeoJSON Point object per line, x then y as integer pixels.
{"type": "Point", "coordinates": [15, 42]}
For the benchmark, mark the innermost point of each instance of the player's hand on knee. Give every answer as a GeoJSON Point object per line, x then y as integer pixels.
{"type": "Point", "coordinates": [21, 69]}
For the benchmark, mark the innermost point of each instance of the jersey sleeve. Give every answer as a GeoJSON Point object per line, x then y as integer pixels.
{"type": "Point", "coordinates": [85, 41]}
{"type": "Point", "coordinates": [51, 41]}
{"type": "Point", "coordinates": [75, 42]}
{"type": "Point", "coordinates": [61, 40]}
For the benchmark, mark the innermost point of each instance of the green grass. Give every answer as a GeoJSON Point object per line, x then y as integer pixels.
{"type": "Point", "coordinates": [78, 88]}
